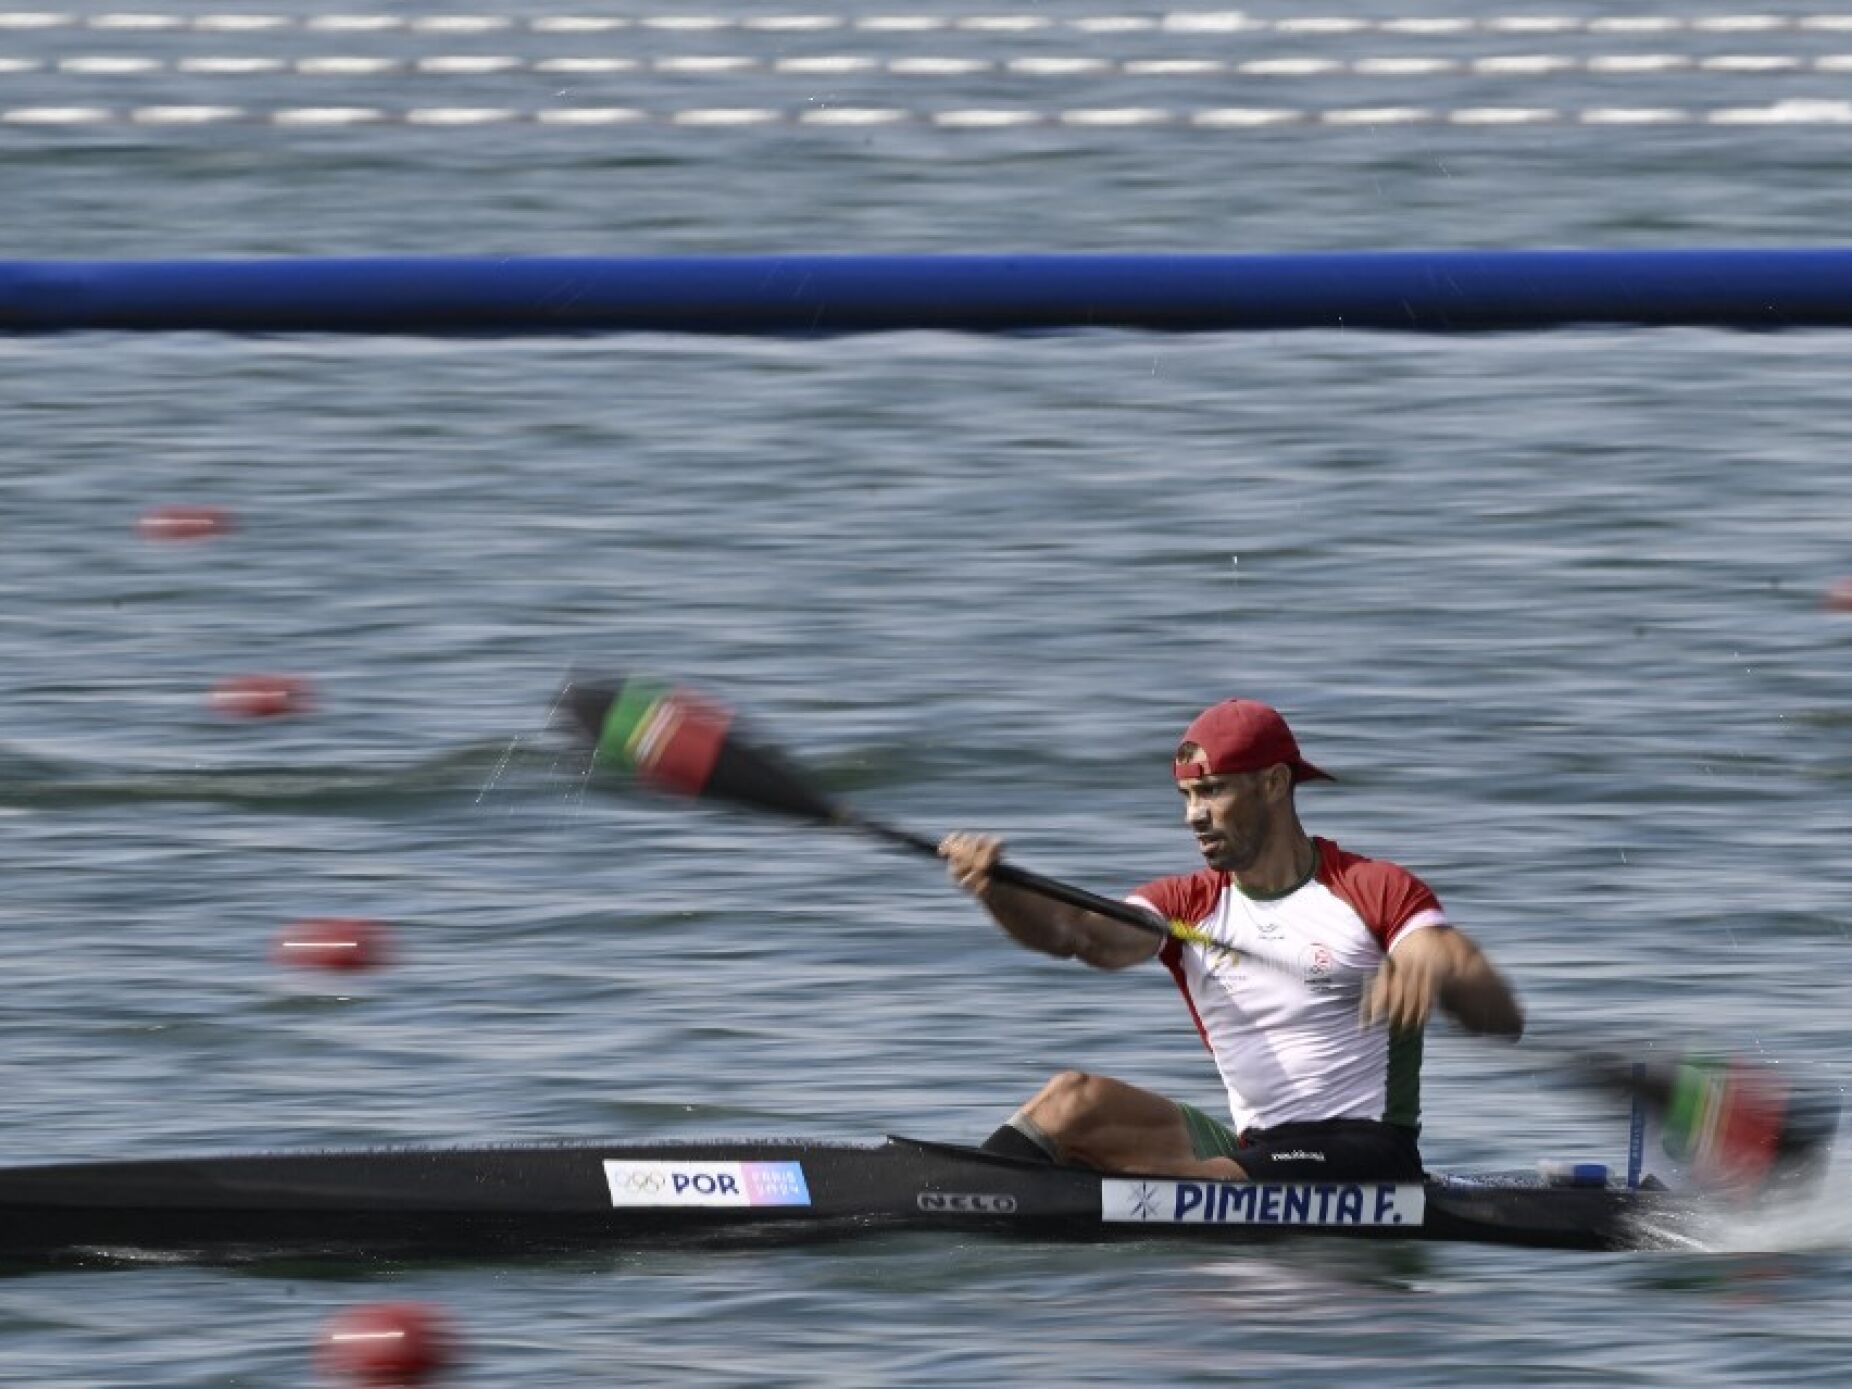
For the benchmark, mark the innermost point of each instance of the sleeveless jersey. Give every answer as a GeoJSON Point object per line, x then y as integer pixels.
{"type": "Point", "coordinates": [1286, 1040]}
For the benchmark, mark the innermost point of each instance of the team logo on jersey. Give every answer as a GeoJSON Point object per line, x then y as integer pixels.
{"type": "Point", "coordinates": [1319, 966]}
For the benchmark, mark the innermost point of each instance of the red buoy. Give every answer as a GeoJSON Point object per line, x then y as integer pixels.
{"type": "Point", "coordinates": [388, 1344]}
{"type": "Point", "coordinates": [178, 522]}
{"type": "Point", "coordinates": [262, 696]}
{"type": "Point", "coordinates": [333, 942]}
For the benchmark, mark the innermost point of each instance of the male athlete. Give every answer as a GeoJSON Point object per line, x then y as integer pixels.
{"type": "Point", "coordinates": [1324, 1082]}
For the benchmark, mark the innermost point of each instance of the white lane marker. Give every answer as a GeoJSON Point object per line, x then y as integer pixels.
{"type": "Point", "coordinates": [56, 115]}
{"type": "Point", "coordinates": [1378, 115]}
{"type": "Point", "coordinates": [347, 67]}
{"type": "Point", "coordinates": [461, 115]}
{"type": "Point", "coordinates": [986, 120]}
{"type": "Point", "coordinates": [1741, 23]}
{"type": "Point", "coordinates": [1059, 67]}
{"type": "Point", "coordinates": [146, 23]}
{"type": "Point", "coordinates": [1289, 67]}
{"type": "Point", "coordinates": [1174, 67]}
{"type": "Point", "coordinates": [854, 116]}
{"type": "Point", "coordinates": [578, 24]}
{"type": "Point", "coordinates": [1635, 24]}
{"type": "Point", "coordinates": [591, 116]}
{"type": "Point", "coordinates": [110, 67]}
{"type": "Point", "coordinates": [1429, 26]}
{"type": "Point", "coordinates": [460, 24]}
{"type": "Point", "coordinates": [186, 115]}
{"type": "Point", "coordinates": [727, 116]}
{"type": "Point", "coordinates": [586, 67]}
{"type": "Point", "coordinates": [328, 116]}
{"type": "Point", "coordinates": [1403, 67]}
{"type": "Point", "coordinates": [1534, 24]}
{"type": "Point", "coordinates": [1757, 62]}
{"type": "Point", "coordinates": [1635, 115]}
{"type": "Point", "coordinates": [1502, 115]}
{"type": "Point", "coordinates": [1004, 24]}
{"type": "Point", "coordinates": [229, 67]}
{"type": "Point", "coordinates": [795, 23]}
{"type": "Point", "coordinates": [825, 67]}
{"type": "Point", "coordinates": [241, 23]}
{"type": "Point", "coordinates": [900, 24]}
{"type": "Point", "coordinates": [1246, 117]}
{"type": "Point", "coordinates": [1523, 66]}
{"type": "Point", "coordinates": [1321, 26]}
{"type": "Point", "coordinates": [1640, 62]}
{"type": "Point", "coordinates": [938, 67]}
{"type": "Point", "coordinates": [1117, 117]}
{"type": "Point", "coordinates": [1787, 113]}
{"type": "Point", "coordinates": [705, 66]}
{"type": "Point", "coordinates": [353, 23]}
{"type": "Point", "coordinates": [1209, 22]}
{"type": "Point", "coordinates": [469, 66]}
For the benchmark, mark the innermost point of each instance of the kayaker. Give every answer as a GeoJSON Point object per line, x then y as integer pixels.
{"type": "Point", "coordinates": [1323, 1080]}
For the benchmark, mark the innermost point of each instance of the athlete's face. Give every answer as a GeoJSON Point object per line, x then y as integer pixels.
{"type": "Point", "coordinates": [1232, 815]}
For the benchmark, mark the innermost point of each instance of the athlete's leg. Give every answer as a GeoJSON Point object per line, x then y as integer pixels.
{"type": "Point", "coordinates": [1100, 1122]}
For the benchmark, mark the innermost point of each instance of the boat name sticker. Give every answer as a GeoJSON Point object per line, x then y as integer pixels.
{"type": "Point", "coordinates": [1351, 1204]}
{"type": "Point", "coordinates": [636, 1183]}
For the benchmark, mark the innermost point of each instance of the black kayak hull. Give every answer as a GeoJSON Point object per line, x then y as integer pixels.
{"type": "Point", "coordinates": [551, 1199]}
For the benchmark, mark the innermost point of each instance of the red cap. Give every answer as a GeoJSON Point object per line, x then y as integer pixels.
{"type": "Point", "coordinates": [1243, 735]}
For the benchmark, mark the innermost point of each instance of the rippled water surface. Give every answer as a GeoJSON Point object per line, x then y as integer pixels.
{"type": "Point", "coordinates": [1549, 605]}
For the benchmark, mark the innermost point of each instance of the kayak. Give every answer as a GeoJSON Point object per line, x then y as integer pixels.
{"type": "Point", "coordinates": [525, 1200]}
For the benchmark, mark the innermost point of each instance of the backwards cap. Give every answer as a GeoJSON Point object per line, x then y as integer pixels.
{"type": "Point", "coordinates": [1242, 735]}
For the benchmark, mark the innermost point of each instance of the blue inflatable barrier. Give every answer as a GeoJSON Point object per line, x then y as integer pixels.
{"type": "Point", "coordinates": [1411, 291]}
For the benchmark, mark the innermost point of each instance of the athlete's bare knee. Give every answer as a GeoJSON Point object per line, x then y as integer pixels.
{"type": "Point", "coordinates": [1067, 1101]}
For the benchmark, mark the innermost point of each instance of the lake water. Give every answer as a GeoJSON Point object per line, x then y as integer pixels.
{"type": "Point", "coordinates": [1549, 605]}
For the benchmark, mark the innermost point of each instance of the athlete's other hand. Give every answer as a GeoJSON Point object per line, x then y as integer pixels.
{"type": "Point", "coordinates": [1404, 992]}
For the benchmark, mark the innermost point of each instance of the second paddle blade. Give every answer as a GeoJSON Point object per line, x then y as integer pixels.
{"type": "Point", "coordinates": [1734, 1126]}
{"type": "Point", "coordinates": [683, 742]}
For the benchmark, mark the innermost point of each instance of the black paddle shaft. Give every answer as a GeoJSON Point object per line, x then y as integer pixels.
{"type": "Point", "coordinates": [1016, 877]}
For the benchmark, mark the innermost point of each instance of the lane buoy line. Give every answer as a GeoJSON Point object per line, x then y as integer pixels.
{"type": "Point", "coordinates": [1836, 113]}
{"type": "Point", "coordinates": [1176, 21]}
{"type": "Point", "coordinates": [847, 65]}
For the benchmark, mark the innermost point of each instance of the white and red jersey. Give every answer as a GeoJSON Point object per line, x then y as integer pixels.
{"type": "Point", "coordinates": [1284, 1033]}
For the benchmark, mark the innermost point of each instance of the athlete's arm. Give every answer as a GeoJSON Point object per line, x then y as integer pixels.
{"type": "Point", "coordinates": [1441, 965]}
{"type": "Point", "coordinates": [1038, 922]}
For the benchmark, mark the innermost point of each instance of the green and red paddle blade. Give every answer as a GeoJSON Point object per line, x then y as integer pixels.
{"type": "Point", "coordinates": [1734, 1126]}
{"type": "Point", "coordinates": [1740, 1127]}
{"type": "Point", "coordinates": [678, 741]}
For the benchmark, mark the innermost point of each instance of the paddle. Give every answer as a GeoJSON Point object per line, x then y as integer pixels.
{"type": "Point", "coordinates": [1740, 1128]}
{"type": "Point", "coordinates": [681, 742]}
